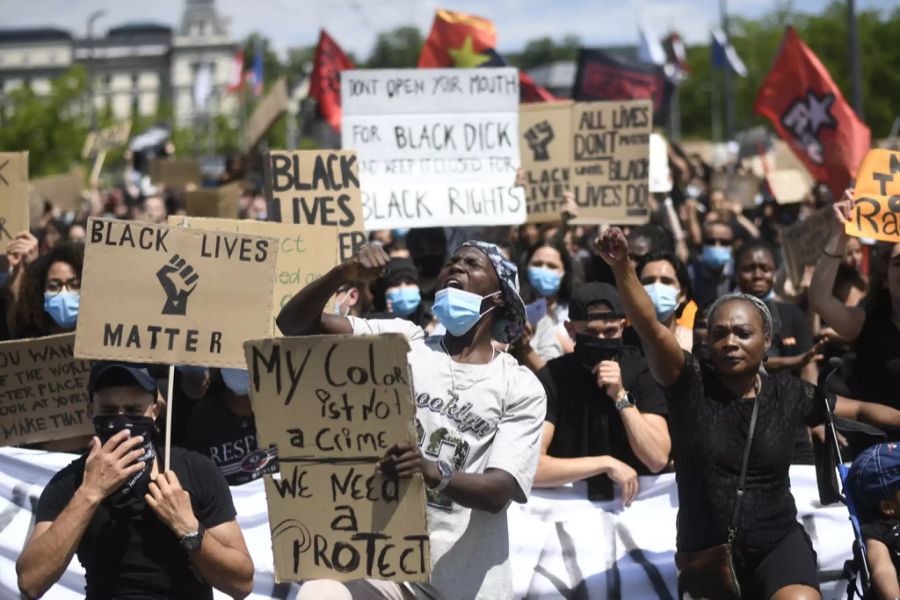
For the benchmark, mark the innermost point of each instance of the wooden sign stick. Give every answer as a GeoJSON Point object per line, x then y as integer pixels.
{"type": "Point", "coordinates": [168, 446]}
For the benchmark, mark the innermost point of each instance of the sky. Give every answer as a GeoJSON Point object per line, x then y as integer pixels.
{"type": "Point", "coordinates": [355, 23]}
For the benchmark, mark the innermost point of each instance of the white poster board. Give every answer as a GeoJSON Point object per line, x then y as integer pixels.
{"type": "Point", "coordinates": [436, 147]}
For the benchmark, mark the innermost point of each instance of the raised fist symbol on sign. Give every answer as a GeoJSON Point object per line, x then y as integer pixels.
{"type": "Point", "coordinates": [178, 280]}
{"type": "Point", "coordinates": [538, 138]}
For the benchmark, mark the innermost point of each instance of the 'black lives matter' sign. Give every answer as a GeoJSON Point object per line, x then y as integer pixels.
{"type": "Point", "coordinates": [152, 293]}
{"type": "Point", "coordinates": [333, 405]}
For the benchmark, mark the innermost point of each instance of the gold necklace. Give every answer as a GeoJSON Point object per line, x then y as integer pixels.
{"type": "Point", "coordinates": [454, 389]}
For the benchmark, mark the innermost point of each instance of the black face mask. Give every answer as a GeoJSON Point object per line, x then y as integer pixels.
{"type": "Point", "coordinates": [128, 500]}
{"type": "Point", "coordinates": [590, 350]}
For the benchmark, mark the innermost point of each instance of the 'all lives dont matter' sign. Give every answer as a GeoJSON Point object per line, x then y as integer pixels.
{"type": "Point", "coordinates": [152, 293]}
{"type": "Point", "coordinates": [437, 147]}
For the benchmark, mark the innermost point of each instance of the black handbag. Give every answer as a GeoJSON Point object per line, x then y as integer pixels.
{"type": "Point", "coordinates": [710, 573]}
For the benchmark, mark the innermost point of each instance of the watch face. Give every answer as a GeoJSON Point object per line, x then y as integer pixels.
{"type": "Point", "coordinates": [192, 542]}
{"type": "Point", "coordinates": [445, 469]}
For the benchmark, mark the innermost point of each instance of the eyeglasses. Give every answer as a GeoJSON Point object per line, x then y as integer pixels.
{"type": "Point", "coordinates": [716, 242]}
{"type": "Point", "coordinates": [55, 286]}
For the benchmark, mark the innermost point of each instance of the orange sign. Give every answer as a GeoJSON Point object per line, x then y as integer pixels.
{"type": "Point", "coordinates": [877, 193]}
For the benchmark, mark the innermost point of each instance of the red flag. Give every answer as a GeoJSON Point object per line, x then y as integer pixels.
{"type": "Point", "coordinates": [325, 81]}
{"type": "Point", "coordinates": [808, 110]}
{"type": "Point", "coordinates": [467, 41]}
{"type": "Point", "coordinates": [236, 76]}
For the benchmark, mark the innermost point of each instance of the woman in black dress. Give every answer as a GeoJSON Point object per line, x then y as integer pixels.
{"type": "Point", "coordinates": [710, 407]}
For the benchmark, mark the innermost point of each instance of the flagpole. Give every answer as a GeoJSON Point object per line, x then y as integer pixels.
{"type": "Point", "coordinates": [855, 68]}
{"type": "Point", "coordinates": [729, 76]}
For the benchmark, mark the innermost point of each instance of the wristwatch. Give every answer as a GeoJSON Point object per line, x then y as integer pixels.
{"type": "Point", "coordinates": [446, 472]}
{"type": "Point", "coordinates": [192, 541]}
{"type": "Point", "coordinates": [625, 402]}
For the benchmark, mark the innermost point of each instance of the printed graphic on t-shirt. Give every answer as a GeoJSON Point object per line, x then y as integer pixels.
{"type": "Point", "coordinates": [458, 411]}
{"type": "Point", "coordinates": [241, 461]}
{"type": "Point", "coordinates": [442, 445]}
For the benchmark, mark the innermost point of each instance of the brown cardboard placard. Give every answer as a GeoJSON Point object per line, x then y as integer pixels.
{"type": "Point", "coordinates": [230, 199]}
{"type": "Point", "coordinates": [305, 252]}
{"type": "Point", "coordinates": [214, 202]}
{"type": "Point", "coordinates": [108, 138]}
{"type": "Point", "coordinates": [789, 186]}
{"type": "Point", "coordinates": [63, 191]}
{"type": "Point", "coordinates": [610, 161]}
{"type": "Point", "coordinates": [13, 196]}
{"type": "Point", "coordinates": [333, 405]}
{"type": "Point", "coordinates": [318, 187]}
{"type": "Point", "coordinates": [272, 106]}
{"type": "Point", "coordinates": [176, 173]}
{"type": "Point", "coordinates": [803, 241]}
{"type": "Point", "coordinates": [546, 150]}
{"type": "Point", "coordinates": [43, 391]}
{"type": "Point", "coordinates": [740, 187]}
{"type": "Point", "coordinates": [160, 294]}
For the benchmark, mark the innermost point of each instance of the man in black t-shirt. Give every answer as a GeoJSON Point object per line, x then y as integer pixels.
{"type": "Point", "coordinates": [606, 417]}
{"type": "Point", "coordinates": [138, 532]}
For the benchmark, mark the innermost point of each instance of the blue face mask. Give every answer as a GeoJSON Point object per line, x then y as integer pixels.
{"type": "Point", "coordinates": [458, 310]}
{"type": "Point", "coordinates": [62, 308]}
{"type": "Point", "coordinates": [665, 300]}
{"type": "Point", "coordinates": [400, 233]}
{"type": "Point", "coordinates": [545, 281]}
{"type": "Point", "coordinates": [237, 380]}
{"type": "Point", "coordinates": [404, 300]}
{"type": "Point", "coordinates": [716, 256]}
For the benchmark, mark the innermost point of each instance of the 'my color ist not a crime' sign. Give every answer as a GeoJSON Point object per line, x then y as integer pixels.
{"type": "Point", "coordinates": [152, 293]}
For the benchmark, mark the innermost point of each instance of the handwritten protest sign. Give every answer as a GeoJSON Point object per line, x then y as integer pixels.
{"type": "Point", "coordinates": [437, 147]}
{"type": "Point", "coordinates": [62, 191]}
{"type": "Point", "coordinates": [305, 252]}
{"type": "Point", "coordinates": [175, 173]}
{"type": "Point", "coordinates": [739, 187]}
{"type": "Point", "coordinates": [106, 139]}
{"type": "Point", "coordinates": [272, 106]}
{"type": "Point", "coordinates": [333, 405]}
{"type": "Point", "coordinates": [317, 187]}
{"type": "Point", "coordinates": [152, 293]}
{"type": "Point", "coordinates": [43, 391]}
{"type": "Point", "coordinates": [789, 186]}
{"type": "Point", "coordinates": [13, 196]}
{"type": "Point", "coordinates": [214, 202]}
{"type": "Point", "coordinates": [611, 153]}
{"type": "Point", "coordinates": [877, 194]}
{"type": "Point", "coordinates": [802, 242]}
{"type": "Point", "coordinates": [546, 150]}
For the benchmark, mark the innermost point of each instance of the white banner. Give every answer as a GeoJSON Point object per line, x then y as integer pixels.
{"type": "Point", "coordinates": [436, 147]}
{"type": "Point", "coordinates": [562, 545]}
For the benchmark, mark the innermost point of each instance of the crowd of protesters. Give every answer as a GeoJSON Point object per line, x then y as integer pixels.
{"type": "Point", "coordinates": [590, 354]}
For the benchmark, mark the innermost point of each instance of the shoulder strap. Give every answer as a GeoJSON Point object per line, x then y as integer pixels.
{"type": "Point", "coordinates": [732, 530]}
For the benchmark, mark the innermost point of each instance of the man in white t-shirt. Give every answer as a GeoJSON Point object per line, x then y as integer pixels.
{"type": "Point", "coordinates": [479, 416]}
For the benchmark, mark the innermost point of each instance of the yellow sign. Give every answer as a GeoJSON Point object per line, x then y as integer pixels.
{"type": "Point", "coordinates": [877, 194]}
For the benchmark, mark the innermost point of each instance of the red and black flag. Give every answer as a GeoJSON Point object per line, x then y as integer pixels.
{"type": "Point", "coordinates": [809, 112]}
{"type": "Point", "coordinates": [325, 81]}
{"type": "Point", "coordinates": [602, 76]}
{"type": "Point", "coordinates": [468, 41]}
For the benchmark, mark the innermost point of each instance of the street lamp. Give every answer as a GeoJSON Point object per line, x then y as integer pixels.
{"type": "Point", "coordinates": [90, 70]}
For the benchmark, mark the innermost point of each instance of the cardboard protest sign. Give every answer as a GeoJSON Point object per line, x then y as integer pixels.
{"type": "Point", "coordinates": [659, 176]}
{"type": "Point", "coordinates": [740, 187]}
{"type": "Point", "coordinates": [611, 154]}
{"type": "Point", "coordinates": [106, 139]}
{"type": "Point", "coordinates": [153, 293]}
{"type": "Point", "coordinates": [62, 191]}
{"type": "Point", "coordinates": [789, 186]}
{"type": "Point", "coordinates": [877, 194]}
{"type": "Point", "coordinates": [13, 196]}
{"type": "Point", "coordinates": [802, 242]}
{"type": "Point", "coordinates": [305, 252]}
{"type": "Point", "coordinates": [437, 147]}
{"type": "Point", "coordinates": [333, 405]}
{"type": "Point", "coordinates": [273, 105]}
{"type": "Point", "coordinates": [214, 202]}
{"type": "Point", "coordinates": [317, 187]}
{"type": "Point", "coordinates": [175, 173]}
{"type": "Point", "coordinates": [546, 157]}
{"type": "Point", "coordinates": [43, 391]}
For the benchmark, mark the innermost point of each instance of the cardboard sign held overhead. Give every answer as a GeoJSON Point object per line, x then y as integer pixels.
{"type": "Point", "coordinates": [43, 391]}
{"type": "Point", "coordinates": [333, 405]}
{"type": "Point", "coordinates": [611, 158]}
{"type": "Point", "coordinates": [13, 196]}
{"type": "Point", "coordinates": [803, 241]}
{"type": "Point", "coordinates": [176, 173]}
{"type": "Point", "coordinates": [739, 187]}
{"type": "Point", "coordinates": [214, 202]}
{"type": "Point", "coordinates": [877, 194]}
{"type": "Point", "coordinates": [62, 191]}
{"type": "Point", "coordinates": [305, 252]}
{"type": "Point", "coordinates": [544, 144]}
{"type": "Point", "coordinates": [152, 293]}
{"type": "Point", "coordinates": [317, 187]}
{"type": "Point", "coordinates": [789, 186]}
{"type": "Point", "coordinates": [108, 138]}
{"type": "Point", "coordinates": [272, 106]}
{"type": "Point", "coordinates": [437, 147]}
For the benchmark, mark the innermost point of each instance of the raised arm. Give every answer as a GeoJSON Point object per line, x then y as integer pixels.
{"type": "Point", "coordinates": [847, 321]}
{"type": "Point", "coordinates": [303, 315]}
{"type": "Point", "coordinates": [664, 356]}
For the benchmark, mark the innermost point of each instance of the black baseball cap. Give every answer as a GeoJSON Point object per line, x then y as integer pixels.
{"type": "Point", "coordinates": [107, 373]}
{"type": "Point", "coordinates": [584, 301]}
{"type": "Point", "coordinates": [399, 270]}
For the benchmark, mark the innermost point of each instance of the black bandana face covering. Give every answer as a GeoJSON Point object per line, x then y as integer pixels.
{"type": "Point", "coordinates": [129, 498]}
{"type": "Point", "coordinates": [590, 350]}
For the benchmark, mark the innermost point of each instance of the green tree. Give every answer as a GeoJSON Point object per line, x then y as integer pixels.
{"type": "Point", "coordinates": [544, 51]}
{"type": "Point", "coordinates": [397, 48]}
